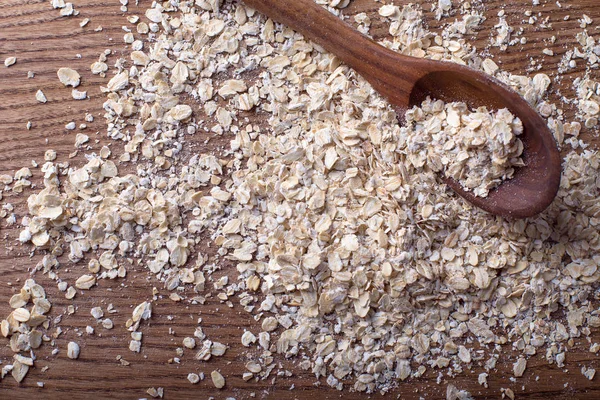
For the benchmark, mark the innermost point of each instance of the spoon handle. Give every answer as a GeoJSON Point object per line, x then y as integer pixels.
{"type": "Point", "coordinates": [378, 65]}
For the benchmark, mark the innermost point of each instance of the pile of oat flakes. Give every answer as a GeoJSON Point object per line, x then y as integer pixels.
{"type": "Point", "coordinates": [477, 148]}
{"type": "Point", "coordinates": [355, 259]}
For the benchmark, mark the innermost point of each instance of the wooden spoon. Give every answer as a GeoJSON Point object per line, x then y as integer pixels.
{"type": "Point", "coordinates": [407, 81]}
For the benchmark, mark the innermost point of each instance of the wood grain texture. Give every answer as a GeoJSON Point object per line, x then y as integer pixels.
{"type": "Point", "coordinates": [43, 41]}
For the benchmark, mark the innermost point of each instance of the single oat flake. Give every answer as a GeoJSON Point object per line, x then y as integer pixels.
{"type": "Point", "coordinates": [40, 96]}
{"type": "Point", "coordinates": [68, 77]}
{"type": "Point", "coordinates": [8, 61]}
{"type": "Point", "coordinates": [217, 379]}
{"type": "Point", "coordinates": [73, 350]}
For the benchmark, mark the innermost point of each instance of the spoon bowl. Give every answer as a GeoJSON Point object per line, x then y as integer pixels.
{"type": "Point", "coordinates": [534, 186]}
{"type": "Point", "coordinates": [407, 81]}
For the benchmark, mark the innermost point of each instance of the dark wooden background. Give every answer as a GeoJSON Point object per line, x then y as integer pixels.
{"type": "Point", "coordinates": [43, 42]}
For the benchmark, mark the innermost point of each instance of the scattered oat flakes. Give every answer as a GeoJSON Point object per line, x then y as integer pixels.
{"type": "Point", "coordinates": [324, 213]}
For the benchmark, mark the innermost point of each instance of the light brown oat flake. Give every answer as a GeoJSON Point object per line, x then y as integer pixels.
{"type": "Point", "coordinates": [40, 96]}
{"type": "Point", "coordinates": [19, 371]}
{"type": "Point", "coordinates": [73, 350]}
{"type": "Point", "coordinates": [9, 61]}
{"type": "Point", "coordinates": [519, 367]}
{"type": "Point", "coordinates": [217, 379]}
{"type": "Point", "coordinates": [68, 77]}
{"type": "Point", "coordinates": [85, 282]}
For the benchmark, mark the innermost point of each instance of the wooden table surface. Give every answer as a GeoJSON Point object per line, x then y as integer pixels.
{"type": "Point", "coordinates": [43, 41]}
